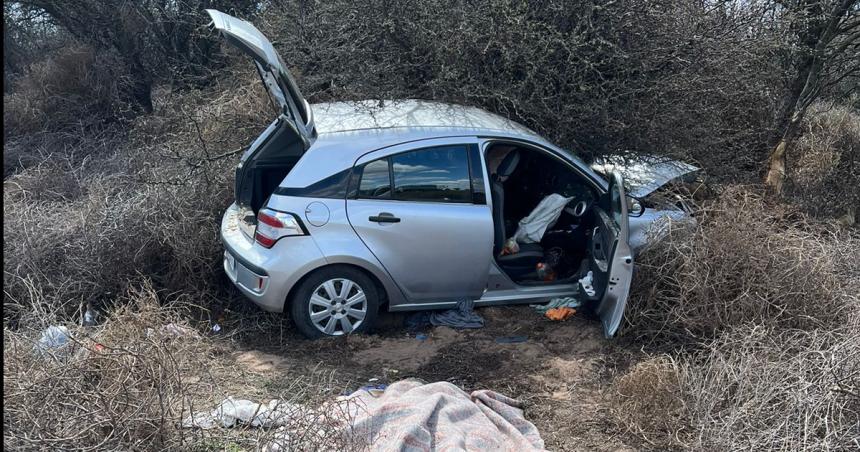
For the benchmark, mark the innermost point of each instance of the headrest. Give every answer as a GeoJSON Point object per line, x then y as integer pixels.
{"type": "Point", "coordinates": [509, 164]}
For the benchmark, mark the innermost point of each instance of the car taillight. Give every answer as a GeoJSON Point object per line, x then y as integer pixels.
{"type": "Point", "coordinates": [272, 225]}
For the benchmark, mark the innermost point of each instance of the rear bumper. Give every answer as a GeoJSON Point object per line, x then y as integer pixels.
{"type": "Point", "coordinates": [265, 276]}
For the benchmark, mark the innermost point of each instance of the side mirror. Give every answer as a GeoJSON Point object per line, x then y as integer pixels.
{"type": "Point", "coordinates": [635, 207]}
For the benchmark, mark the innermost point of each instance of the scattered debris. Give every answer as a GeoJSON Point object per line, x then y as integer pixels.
{"type": "Point", "coordinates": [511, 339]}
{"type": "Point", "coordinates": [90, 317]}
{"type": "Point", "coordinates": [386, 416]}
{"type": "Point", "coordinates": [559, 314]}
{"type": "Point", "coordinates": [53, 338]}
{"type": "Point", "coordinates": [545, 272]}
{"type": "Point", "coordinates": [463, 316]}
{"type": "Point", "coordinates": [585, 283]}
{"type": "Point", "coordinates": [562, 302]}
{"type": "Point", "coordinates": [511, 247]}
{"type": "Point", "coordinates": [234, 412]}
{"type": "Point", "coordinates": [375, 390]}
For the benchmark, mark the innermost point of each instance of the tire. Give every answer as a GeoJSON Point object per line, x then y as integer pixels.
{"type": "Point", "coordinates": [319, 306]}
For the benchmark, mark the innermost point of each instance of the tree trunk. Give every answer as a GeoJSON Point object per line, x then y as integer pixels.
{"type": "Point", "coordinates": [816, 37]}
{"type": "Point", "coordinates": [776, 167]}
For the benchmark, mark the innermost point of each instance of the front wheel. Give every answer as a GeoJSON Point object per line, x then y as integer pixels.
{"type": "Point", "coordinates": [335, 301]}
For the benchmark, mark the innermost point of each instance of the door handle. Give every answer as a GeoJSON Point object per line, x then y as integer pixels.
{"type": "Point", "coordinates": [384, 217]}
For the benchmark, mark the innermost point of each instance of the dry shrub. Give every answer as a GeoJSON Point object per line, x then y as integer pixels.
{"type": "Point", "coordinates": [761, 390]}
{"type": "Point", "coordinates": [73, 89]}
{"type": "Point", "coordinates": [84, 223]}
{"type": "Point", "coordinates": [671, 77]}
{"type": "Point", "coordinates": [55, 179]}
{"type": "Point", "coordinates": [824, 174]}
{"type": "Point", "coordinates": [745, 261]}
{"type": "Point", "coordinates": [648, 401]}
{"type": "Point", "coordinates": [128, 395]}
{"type": "Point", "coordinates": [192, 126]}
{"type": "Point", "coordinates": [128, 384]}
{"type": "Point", "coordinates": [91, 248]}
{"type": "Point", "coordinates": [754, 388]}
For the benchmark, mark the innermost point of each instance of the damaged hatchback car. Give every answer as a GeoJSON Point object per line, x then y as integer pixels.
{"type": "Point", "coordinates": [343, 209]}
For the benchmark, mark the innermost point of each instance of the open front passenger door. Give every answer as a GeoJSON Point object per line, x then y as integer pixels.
{"type": "Point", "coordinates": [610, 256]}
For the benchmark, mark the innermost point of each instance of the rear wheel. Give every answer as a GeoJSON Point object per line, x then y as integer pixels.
{"type": "Point", "coordinates": [335, 301]}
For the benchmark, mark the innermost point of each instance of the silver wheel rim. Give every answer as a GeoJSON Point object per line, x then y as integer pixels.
{"type": "Point", "coordinates": [337, 306]}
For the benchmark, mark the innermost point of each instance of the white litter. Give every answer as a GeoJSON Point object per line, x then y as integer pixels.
{"type": "Point", "coordinates": [172, 330]}
{"type": "Point", "coordinates": [585, 282]}
{"type": "Point", "coordinates": [53, 338]}
{"type": "Point", "coordinates": [90, 317]}
{"type": "Point", "coordinates": [234, 412]}
{"type": "Point", "coordinates": [532, 227]}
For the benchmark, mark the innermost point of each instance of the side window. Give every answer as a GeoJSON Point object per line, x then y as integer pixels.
{"type": "Point", "coordinates": [438, 174]}
{"type": "Point", "coordinates": [375, 180]}
{"type": "Point", "coordinates": [333, 187]}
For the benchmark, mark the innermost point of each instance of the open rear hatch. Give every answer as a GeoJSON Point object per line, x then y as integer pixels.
{"type": "Point", "coordinates": [274, 153]}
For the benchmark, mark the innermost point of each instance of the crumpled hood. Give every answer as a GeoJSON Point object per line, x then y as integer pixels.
{"type": "Point", "coordinates": [643, 173]}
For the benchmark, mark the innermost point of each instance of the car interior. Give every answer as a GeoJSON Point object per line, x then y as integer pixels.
{"type": "Point", "coordinates": [520, 178]}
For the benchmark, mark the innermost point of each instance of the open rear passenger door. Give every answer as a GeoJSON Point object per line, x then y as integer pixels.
{"type": "Point", "coordinates": [610, 256]}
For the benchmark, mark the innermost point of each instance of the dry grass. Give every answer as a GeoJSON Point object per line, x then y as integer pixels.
{"type": "Point", "coordinates": [752, 389]}
{"type": "Point", "coordinates": [825, 171]}
{"type": "Point", "coordinates": [745, 261]}
{"type": "Point", "coordinates": [755, 309]}
{"type": "Point", "coordinates": [70, 90]}
{"type": "Point", "coordinates": [129, 222]}
{"type": "Point", "coordinates": [760, 389]}
{"type": "Point", "coordinates": [84, 222]}
{"type": "Point", "coordinates": [129, 394]}
{"type": "Point", "coordinates": [649, 402]}
{"type": "Point", "coordinates": [752, 302]}
{"type": "Point", "coordinates": [128, 383]}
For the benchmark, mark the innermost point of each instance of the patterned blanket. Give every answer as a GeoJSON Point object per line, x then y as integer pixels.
{"type": "Point", "coordinates": [412, 416]}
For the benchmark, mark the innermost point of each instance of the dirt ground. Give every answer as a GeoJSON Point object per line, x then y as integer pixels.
{"type": "Point", "coordinates": [561, 371]}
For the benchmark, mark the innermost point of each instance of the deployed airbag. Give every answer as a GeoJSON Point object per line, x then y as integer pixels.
{"type": "Point", "coordinates": [532, 228]}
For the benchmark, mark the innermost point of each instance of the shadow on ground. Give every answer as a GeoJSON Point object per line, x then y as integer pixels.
{"type": "Point", "coordinates": [561, 371]}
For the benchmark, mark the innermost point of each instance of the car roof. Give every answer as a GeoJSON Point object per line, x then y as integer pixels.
{"type": "Point", "coordinates": [396, 115]}
{"type": "Point", "coordinates": [348, 130]}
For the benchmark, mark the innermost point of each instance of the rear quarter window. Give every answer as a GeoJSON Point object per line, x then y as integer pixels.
{"type": "Point", "coordinates": [334, 186]}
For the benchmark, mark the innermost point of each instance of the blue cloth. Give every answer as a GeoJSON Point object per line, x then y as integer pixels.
{"type": "Point", "coordinates": [463, 316]}
{"type": "Point", "coordinates": [566, 302]}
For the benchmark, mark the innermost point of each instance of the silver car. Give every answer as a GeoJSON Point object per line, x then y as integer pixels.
{"type": "Point", "coordinates": [343, 209]}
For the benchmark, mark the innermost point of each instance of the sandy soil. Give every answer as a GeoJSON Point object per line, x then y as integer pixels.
{"type": "Point", "coordinates": [561, 371]}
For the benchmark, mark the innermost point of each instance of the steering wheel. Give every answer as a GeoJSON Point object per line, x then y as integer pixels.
{"type": "Point", "coordinates": [380, 191]}
{"type": "Point", "coordinates": [580, 208]}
